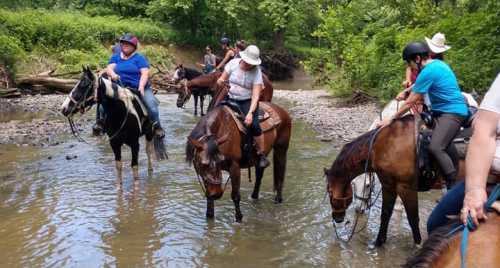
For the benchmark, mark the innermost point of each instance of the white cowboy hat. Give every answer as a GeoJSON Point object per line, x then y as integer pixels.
{"type": "Point", "coordinates": [251, 55]}
{"type": "Point", "coordinates": [436, 44]}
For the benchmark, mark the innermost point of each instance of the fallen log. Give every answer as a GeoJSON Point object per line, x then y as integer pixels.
{"type": "Point", "coordinates": [59, 84]}
{"type": "Point", "coordinates": [9, 93]}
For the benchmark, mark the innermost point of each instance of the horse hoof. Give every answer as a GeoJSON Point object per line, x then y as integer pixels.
{"type": "Point", "coordinates": [255, 196]}
{"type": "Point", "coordinates": [239, 218]}
{"type": "Point", "coordinates": [278, 200]}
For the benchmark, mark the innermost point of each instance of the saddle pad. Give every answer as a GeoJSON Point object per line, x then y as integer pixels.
{"type": "Point", "coordinates": [268, 121]}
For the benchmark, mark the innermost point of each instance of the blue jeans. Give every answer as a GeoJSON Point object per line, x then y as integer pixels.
{"type": "Point", "coordinates": [450, 204]}
{"type": "Point", "coordinates": [152, 105]}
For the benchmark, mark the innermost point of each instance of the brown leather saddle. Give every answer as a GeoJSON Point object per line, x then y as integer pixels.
{"type": "Point", "coordinates": [268, 118]}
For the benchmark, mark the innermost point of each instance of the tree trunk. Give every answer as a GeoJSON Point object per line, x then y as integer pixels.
{"type": "Point", "coordinates": [279, 39]}
{"type": "Point", "coordinates": [63, 85]}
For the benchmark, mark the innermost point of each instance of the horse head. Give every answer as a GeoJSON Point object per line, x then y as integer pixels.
{"type": "Point", "coordinates": [179, 73]}
{"type": "Point", "coordinates": [82, 95]}
{"type": "Point", "coordinates": [339, 190]}
{"type": "Point", "coordinates": [207, 160]}
{"type": "Point", "coordinates": [184, 93]}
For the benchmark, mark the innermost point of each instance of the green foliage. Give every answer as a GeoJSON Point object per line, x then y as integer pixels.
{"type": "Point", "coordinates": [68, 40]}
{"type": "Point", "coordinates": [362, 42]}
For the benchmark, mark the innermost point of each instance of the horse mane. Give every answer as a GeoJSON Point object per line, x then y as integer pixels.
{"type": "Point", "coordinates": [356, 152]}
{"type": "Point", "coordinates": [439, 241]}
{"type": "Point", "coordinates": [192, 73]}
{"type": "Point", "coordinates": [204, 127]}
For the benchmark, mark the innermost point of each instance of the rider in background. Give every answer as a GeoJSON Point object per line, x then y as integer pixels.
{"type": "Point", "coordinates": [239, 47]}
{"type": "Point", "coordinates": [449, 109]}
{"type": "Point", "coordinates": [245, 81]}
{"type": "Point", "coordinates": [483, 153]}
{"type": "Point", "coordinates": [228, 52]}
{"type": "Point", "coordinates": [131, 69]}
{"type": "Point", "coordinates": [437, 48]}
{"type": "Point", "coordinates": [209, 61]}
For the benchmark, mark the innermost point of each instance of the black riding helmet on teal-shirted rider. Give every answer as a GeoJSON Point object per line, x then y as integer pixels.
{"type": "Point", "coordinates": [225, 41]}
{"type": "Point", "coordinates": [414, 49]}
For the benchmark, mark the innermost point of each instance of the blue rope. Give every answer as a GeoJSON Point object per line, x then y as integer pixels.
{"type": "Point", "coordinates": [470, 226]}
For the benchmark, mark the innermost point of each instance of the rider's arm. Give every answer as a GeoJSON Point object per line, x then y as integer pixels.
{"type": "Point", "coordinates": [413, 99]}
{"type": "Point", "coordinates": [144, 79]}
{"type": "Point", "coordinates": [223, 78]}
{"type": "Point", "coordinates": [228, 55]}
{"type": "Point", "coordinates": [255, 98]}
{"type": "Point", "coordinates": [110, 71]}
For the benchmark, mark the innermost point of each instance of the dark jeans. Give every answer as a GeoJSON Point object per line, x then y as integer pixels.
{"type": "Point", "coordinates": [244, 106]}
{"type": "Point", "coordinates": [441, 146]}
{"type": "Point", "coordinates": [450, 204]}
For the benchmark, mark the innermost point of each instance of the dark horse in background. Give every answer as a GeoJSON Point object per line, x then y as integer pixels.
{"type": "Point", "coordinates": [188, 88]}
{"type": "Point", "coordinates": [126, 118]}
{"type": "Point", "coordinates": [215, 144]}
{"type": "Point", "coordinates": [200, 92]}
{"type": "Point", "coordinates": [393, 158]}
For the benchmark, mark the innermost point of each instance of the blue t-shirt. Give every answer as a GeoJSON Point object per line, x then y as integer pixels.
{"type": "Point", "coordinates": [438, 80]}
{"type": "Point", "coordinates": [129, 70]}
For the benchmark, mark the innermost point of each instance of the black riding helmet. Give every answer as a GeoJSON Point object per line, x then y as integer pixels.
{"type": "Point", "coordinates": [225, 41]}
{"type": "Point", "coordinates": [413, 49]}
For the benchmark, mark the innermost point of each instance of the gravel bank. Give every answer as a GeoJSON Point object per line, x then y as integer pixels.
{"type": "Point", "coordinates": [332, 120]}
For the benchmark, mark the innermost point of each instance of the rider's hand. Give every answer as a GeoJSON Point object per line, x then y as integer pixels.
{"type": "Point", "coordinates": [220, 82]}
{"type": "Point", "coordinates": [403, 95]}
{"type": "Point", "coordinates": [406, 84]}
{"type": "Point", "coordinates": [249, 119]}
{"type": "Point", "coordinates": [385, 122]}
{"type": "Point", "coordinates": [474, 204]}
{"type": "Point", "coordinates": [115, 77]}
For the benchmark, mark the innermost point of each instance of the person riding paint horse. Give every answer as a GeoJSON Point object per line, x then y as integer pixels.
{"type": "Point", "coordinates": [448, 109]}
{"type": "Point", "coordinates": [483, 154]}
{"type": "Point", "coordinates": [245, 81]}
{"type": "Point", "coordinates": [228, 51]}
{"type": "Point", "coordinates": [209, 61]}
{"type": "Point", "coordinates": [131, 69]}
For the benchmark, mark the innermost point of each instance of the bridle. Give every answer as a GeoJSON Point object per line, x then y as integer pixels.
{"type": "Point", "coordinates": [344, 201]}
{"type": "Point", "coordinates": [87, 101]}
{"type": "Point", "coordinates": [186, 92]}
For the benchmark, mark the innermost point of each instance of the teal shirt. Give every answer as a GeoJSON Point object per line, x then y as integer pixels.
{"type": "Point", "coordinates": [438, 80]}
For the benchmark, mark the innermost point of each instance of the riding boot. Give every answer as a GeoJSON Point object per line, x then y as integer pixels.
{"type": "Point", "coordinates": [158, 130]}
{"type": "Point", "coordinates": [259, 142]}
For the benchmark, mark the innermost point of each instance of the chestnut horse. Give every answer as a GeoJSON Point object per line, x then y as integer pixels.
{"type": "Point", "coordinates": [210, 81]}
{"type": "Point", "coordinates": [442, 250]}
{"type": "Point", "coordinates": [393, 158]}
{"type": "Point", "coordinates": [215, 145]}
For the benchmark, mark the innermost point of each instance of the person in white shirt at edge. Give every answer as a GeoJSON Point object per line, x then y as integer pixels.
{"type": "Point", "coordinates": [245, 86]}
{"type": "Point", "coordinates": [483, 154]}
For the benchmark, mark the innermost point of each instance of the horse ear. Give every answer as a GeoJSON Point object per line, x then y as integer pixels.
{"type": "Point", "coordinates": [195, 143]}
{"type": "Point", "coordinates": [222, 139]}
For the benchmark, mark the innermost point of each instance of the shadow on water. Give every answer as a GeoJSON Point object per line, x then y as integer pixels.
{"type": "Point", "coordinates": [59, 213]}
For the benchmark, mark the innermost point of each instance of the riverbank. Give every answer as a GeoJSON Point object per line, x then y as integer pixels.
{"type": "Point", "coordinates": [332, 120]}
{"type": "Point", "coordinates": [35, 120]}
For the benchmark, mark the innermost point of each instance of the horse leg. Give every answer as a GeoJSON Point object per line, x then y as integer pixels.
{"type": "Point", "coordinates": [279, 168]}
{"type": "Point", "coordinates": [149, 153]}
{"type": "Point", "coordinates": [135, 159]}
{"type": "Point", "coordinates": [210, 208]}
{"type": "Point", "coordinates": [410, 202]}
{"type": "Point", "coordinates": [259, 172]}
{"type": "Point", "coordinates": [388, 199]}
{"type": "Point", "coordinates": [117, 151]}
{"type": "Point", "coordinates": [235, 177]}
{"type": "Point", "coordinates": [195, 105]}
{"type": "Point", "coordinates": [202, 99]}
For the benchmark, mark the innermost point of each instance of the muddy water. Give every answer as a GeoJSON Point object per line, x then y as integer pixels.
{"type": "Point", "coordinates": [60, 213]}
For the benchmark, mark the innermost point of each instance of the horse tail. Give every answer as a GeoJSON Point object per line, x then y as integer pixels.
{"type": "Point", "coordinates": [160, 148]}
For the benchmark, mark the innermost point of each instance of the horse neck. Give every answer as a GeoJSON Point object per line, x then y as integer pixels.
{"type": "Point", "coordinates": [208, 80]}
{"type": "Point", "coordinates": [191, 73]}
{"type": "Point", "coordinates": [352, 162]}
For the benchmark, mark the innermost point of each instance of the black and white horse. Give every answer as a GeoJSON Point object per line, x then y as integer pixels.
{"type": "Point", "coordinates": [126, 117]}
{"type": "Point", "coordinates": [181, 73]}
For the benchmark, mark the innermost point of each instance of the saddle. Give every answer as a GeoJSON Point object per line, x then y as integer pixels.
{"type": "Point", "coordinates": [268, 118]}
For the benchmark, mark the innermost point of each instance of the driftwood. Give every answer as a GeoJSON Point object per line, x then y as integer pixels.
{"type": "Point", "coordinates": [9, 93]}
{"type": "Point", "coordinates": [58, 84]}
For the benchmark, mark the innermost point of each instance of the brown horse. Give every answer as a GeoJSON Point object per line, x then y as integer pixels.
{"type": "Point", "coordinates": [393, 158]}
{"type": "Point", "coordinates": [210, 81]}
{"type": "Point", "coordinates": [442, 250]}
{"type": "Point", "coordinates": [215, 145]}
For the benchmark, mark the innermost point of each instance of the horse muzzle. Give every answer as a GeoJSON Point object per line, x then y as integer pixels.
{"type": "Point", "coordinates": [338, 217]}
